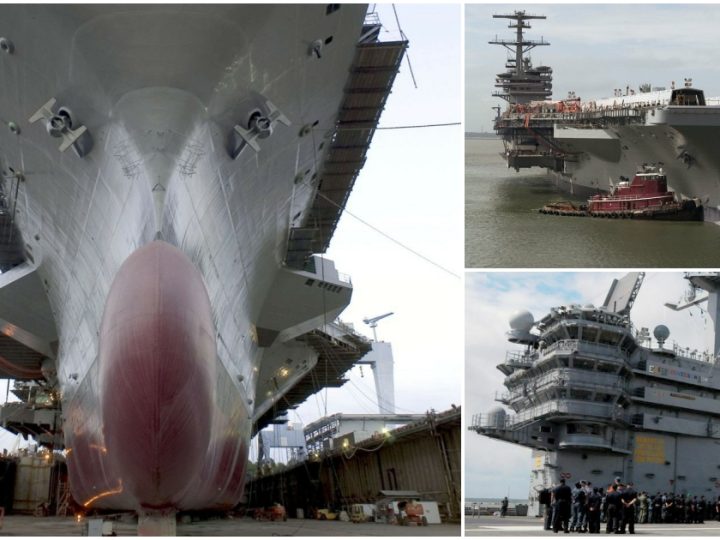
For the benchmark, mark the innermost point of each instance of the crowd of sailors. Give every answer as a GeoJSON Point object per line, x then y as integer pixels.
{"type": "Point", "coordinates": [551, 108]}
{"type": "Point", "coordinates": [583, 508]}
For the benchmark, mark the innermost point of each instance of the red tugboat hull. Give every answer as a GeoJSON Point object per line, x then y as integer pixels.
{"type": "Point", "coordinates": [646, 197]}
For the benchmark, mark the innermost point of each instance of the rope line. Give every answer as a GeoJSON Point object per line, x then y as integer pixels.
{"type": "Point", "coordinates": [422, 126]}
{"type": "Point", "coordinates": [404, 246]}
{"type": "Point", "coordinates": [407, 54]}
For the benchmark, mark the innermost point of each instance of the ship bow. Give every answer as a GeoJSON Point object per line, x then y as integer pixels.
{"type": "Point", "coordinates": [157, 363]}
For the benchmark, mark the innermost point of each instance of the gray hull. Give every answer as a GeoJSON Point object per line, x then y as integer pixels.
{"type": "Point", "coordinates": [160, 90]}
{"type": "Point", "coordinates": [679, 139]}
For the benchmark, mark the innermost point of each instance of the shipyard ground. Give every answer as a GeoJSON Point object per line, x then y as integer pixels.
{"type": "Point", "coordinates": [531, 526]}
{"type": "Point", "coordinates": [61, 526]}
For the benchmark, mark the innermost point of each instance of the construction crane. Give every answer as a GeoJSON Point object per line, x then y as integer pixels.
{"type": "Point", "coordinates": [372, 322]}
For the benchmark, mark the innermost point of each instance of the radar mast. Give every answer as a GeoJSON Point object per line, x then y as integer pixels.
{"type": "Point", "coordinates": [522, 83]}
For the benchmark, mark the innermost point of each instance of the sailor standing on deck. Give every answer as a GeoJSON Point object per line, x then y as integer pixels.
{"type": "Point", "coordinates": [578, 507]}
{"type": "Point", "coordinates": [562, 495]}
{"type": "Point", "coordinates": [593, 511]}
{"type": "Point", "coordinates": [668, 508]}
{"type": "Point", "coordinates": [629, 498]}
{"type": "Point", "coordinates": [620, 489]}
{"type": "Point", "coordinates": [587, 488]}
{"type": "Point", "coordinates": [642, 507]}
{"type": "Point", "coordinates": [545, 498]}
{"type": "Point", "coordinates": [655, 508]}
{"type": "Point", "coordinates": [612, 500]}
{"type": "Point", "coordinates": [702, 509]}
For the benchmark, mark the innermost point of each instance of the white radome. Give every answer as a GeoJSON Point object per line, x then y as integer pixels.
{"type": "Point", "coordinates": [522, 320]}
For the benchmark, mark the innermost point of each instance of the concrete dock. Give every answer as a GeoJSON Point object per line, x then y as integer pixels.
{"type": "Point", "coordinates": [68, 526]}
{"type": "Point", "coordinates": [532, 526]}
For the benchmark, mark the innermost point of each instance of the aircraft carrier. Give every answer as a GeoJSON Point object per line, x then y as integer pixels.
{"type": "Point", "coordinates": [589, 145]}
{"type": "Point", "coordinates": [596, 398]}
{"type": "Point", "coordinates": [170, 174]}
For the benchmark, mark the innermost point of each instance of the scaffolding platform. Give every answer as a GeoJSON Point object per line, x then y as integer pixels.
{"type": "Point", "coordinates": [339, 347]}
{"type": "Point", "coordinates": [371, 77]}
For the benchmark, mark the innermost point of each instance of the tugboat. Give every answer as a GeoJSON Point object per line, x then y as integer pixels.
{"type": "Point", "coordinates": [645, 197]}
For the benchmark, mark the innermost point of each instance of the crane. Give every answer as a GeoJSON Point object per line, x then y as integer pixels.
{"type": "Point", "coordinates": [372, 322]}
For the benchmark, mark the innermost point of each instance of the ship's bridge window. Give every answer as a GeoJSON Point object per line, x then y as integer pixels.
{"type": "Point", "coordinates": [606, 368]}
{"type": "Point", "coordinates": [609, 338]}
{"type": "Point", "coordinates": [688, 97]}
{"type": "Point", "coordinates": [579, 394]}
{"type": "Point", "coordinates": [580, 363]}
{"type": "Point", "coordinates": [585, 429]}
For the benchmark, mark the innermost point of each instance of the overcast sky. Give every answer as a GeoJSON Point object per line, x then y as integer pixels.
{"type": "Point", "coordinates": [494, 468]}
{"type": "Point", "coordinates": [411, 189]}
{"type": "Point", "coordinates": [594, 49]}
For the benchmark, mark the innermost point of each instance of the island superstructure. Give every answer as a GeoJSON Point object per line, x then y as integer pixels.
{"type": "Point", "coordinates": [587, 145]}
{"type": "Point", "coordinates": [170, 175]}
{"type": "Point", "coordinates": [595, 398]}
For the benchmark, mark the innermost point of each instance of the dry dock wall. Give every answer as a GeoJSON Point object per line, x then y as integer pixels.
{"type": "Point", "coordinates": [423, 457]}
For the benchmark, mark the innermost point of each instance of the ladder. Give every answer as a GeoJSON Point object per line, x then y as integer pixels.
{"type": "Point", "coordinates": [63, 499]}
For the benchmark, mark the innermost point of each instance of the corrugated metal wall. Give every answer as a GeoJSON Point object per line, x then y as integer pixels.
{"type": "Point", "coordinates": [427, 461]}
{"type": "Point", "coordinates": [32, 484]}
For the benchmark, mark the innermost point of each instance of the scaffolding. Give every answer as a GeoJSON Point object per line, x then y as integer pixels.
{"type": "Point", "coordinates": [338, 348]}
{"type": "Point", "coordinates": [371, 77]}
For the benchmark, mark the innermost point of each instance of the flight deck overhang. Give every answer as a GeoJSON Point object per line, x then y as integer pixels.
{"type": "Point", "coordinates": [338, 348]}
{"type": "Point", "coordinates": [28, 334]}
{"type": "Point", "coordinates": [300, 300]}
{"type": "Point", "coordinates": [12, 250]}
{"type": "Point", "coordinates": [329, 431]}
{"type": "Point", "coordinates": [369, 83]}
{"type": "Point", "coordinates": [595, 135]}
{"type": "Point", "coordinates": [687, 116]}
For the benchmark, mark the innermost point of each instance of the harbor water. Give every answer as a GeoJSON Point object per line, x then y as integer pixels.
{"type": "Point", "coordinates": [504, 230]}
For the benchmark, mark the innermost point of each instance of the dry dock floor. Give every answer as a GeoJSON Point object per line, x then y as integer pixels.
{"type": "Point", "coordinates": [57, 526]}
{"type": "Point", "coordinates": [531, 526]}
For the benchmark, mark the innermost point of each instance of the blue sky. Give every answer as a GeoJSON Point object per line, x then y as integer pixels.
{"type": "Point", "coordinates": [543, 284]}
{"type": "Point", "coordinates": [595, 48]}
{"type": "Point", "coordinates": [494, 468]}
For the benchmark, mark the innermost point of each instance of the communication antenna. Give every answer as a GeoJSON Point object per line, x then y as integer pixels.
{"type": "Point", "coordinates": [372, 322]}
